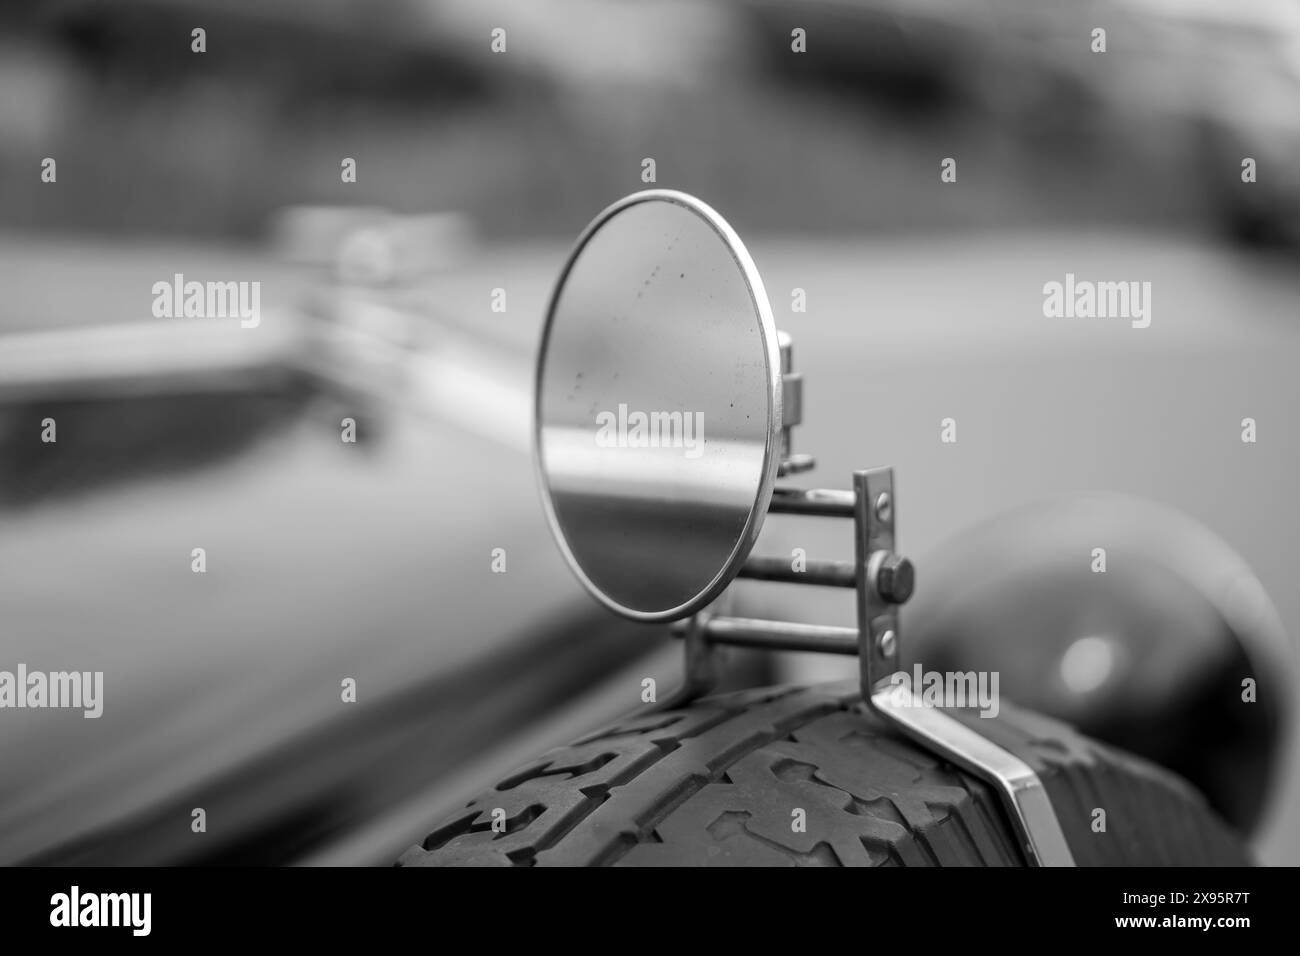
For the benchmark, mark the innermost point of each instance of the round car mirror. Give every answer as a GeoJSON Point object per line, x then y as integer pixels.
{"type": "Point", "coordinates": [658, 406]}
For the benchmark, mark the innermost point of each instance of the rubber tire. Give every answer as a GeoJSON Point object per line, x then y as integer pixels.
{"type": "Point", "coordinates": [719, 782]}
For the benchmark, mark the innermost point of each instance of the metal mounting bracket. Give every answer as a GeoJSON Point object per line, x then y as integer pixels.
{"type": "Point", "coordinates": [882, 581]}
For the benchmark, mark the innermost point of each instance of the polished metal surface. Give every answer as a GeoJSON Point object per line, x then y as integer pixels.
{"type": "Point", "coordinates": [822, 502]}
{"type": "Point", "coordinates": [156, 357]}
{"type": "Point", "coordinates": [658, 406]}
{"type": "Point", "coordinates": [791, 411]}
{"type": "Point", "coordinates": [661, 427]}
{"type": "Point", "coordinates": [772, 635]}
{"type": "Point", "coordinates": [1018, 786]}
{"type": "Point", "coordinates": [836, 574]}
{"type": "Point", "coordinates": [874, 513]}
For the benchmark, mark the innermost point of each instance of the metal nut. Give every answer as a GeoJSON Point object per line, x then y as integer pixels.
{"type": "Point", "coordinates": [896, 579]}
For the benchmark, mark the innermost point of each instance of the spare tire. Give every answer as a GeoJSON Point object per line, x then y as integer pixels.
{"type": "Point", "coordinates": [808, 776]}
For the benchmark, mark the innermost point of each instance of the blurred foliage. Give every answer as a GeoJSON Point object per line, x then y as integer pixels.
{"type": "Point", "coordinates": [152, 138]}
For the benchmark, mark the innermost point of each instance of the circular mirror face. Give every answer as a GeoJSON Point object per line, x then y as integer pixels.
{"type": "Point", "coordinates": [658, 406]}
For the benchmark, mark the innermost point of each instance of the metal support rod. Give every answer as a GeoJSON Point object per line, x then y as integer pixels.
{"type": "Point", "coordinates": [835, 574]}
{"type": "Point", "coordinates": [830, 503]}
{"type": "Point", "coordinates": [704, 662]}
{"type": "Point", "coordinates": [779, 635]}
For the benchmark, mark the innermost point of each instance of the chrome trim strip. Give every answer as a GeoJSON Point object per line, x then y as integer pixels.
{"type": "Point", "coordinates": [1021, 791]}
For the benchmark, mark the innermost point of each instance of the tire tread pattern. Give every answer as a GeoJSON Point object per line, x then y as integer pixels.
{"type": "Point", "coordinates": [721, 781]}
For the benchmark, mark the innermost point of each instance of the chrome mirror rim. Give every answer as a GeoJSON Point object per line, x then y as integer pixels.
{"type": "Point", "coordinates": [772, 446]}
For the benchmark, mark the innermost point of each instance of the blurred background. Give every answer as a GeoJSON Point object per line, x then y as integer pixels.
{"type": "Point", "coordinates": [475, 170]}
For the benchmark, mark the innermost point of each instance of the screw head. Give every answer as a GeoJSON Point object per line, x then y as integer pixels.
{"type": "Point", "coordinates": [887, 643]}
{"type": "Point", "coordinates": [884, 507]}
{"type": "Point", "coordinates": [896, 579]}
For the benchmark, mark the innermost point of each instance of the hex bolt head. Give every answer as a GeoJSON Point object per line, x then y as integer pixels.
{"type": "Point", "coordinates": [895, 579]}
